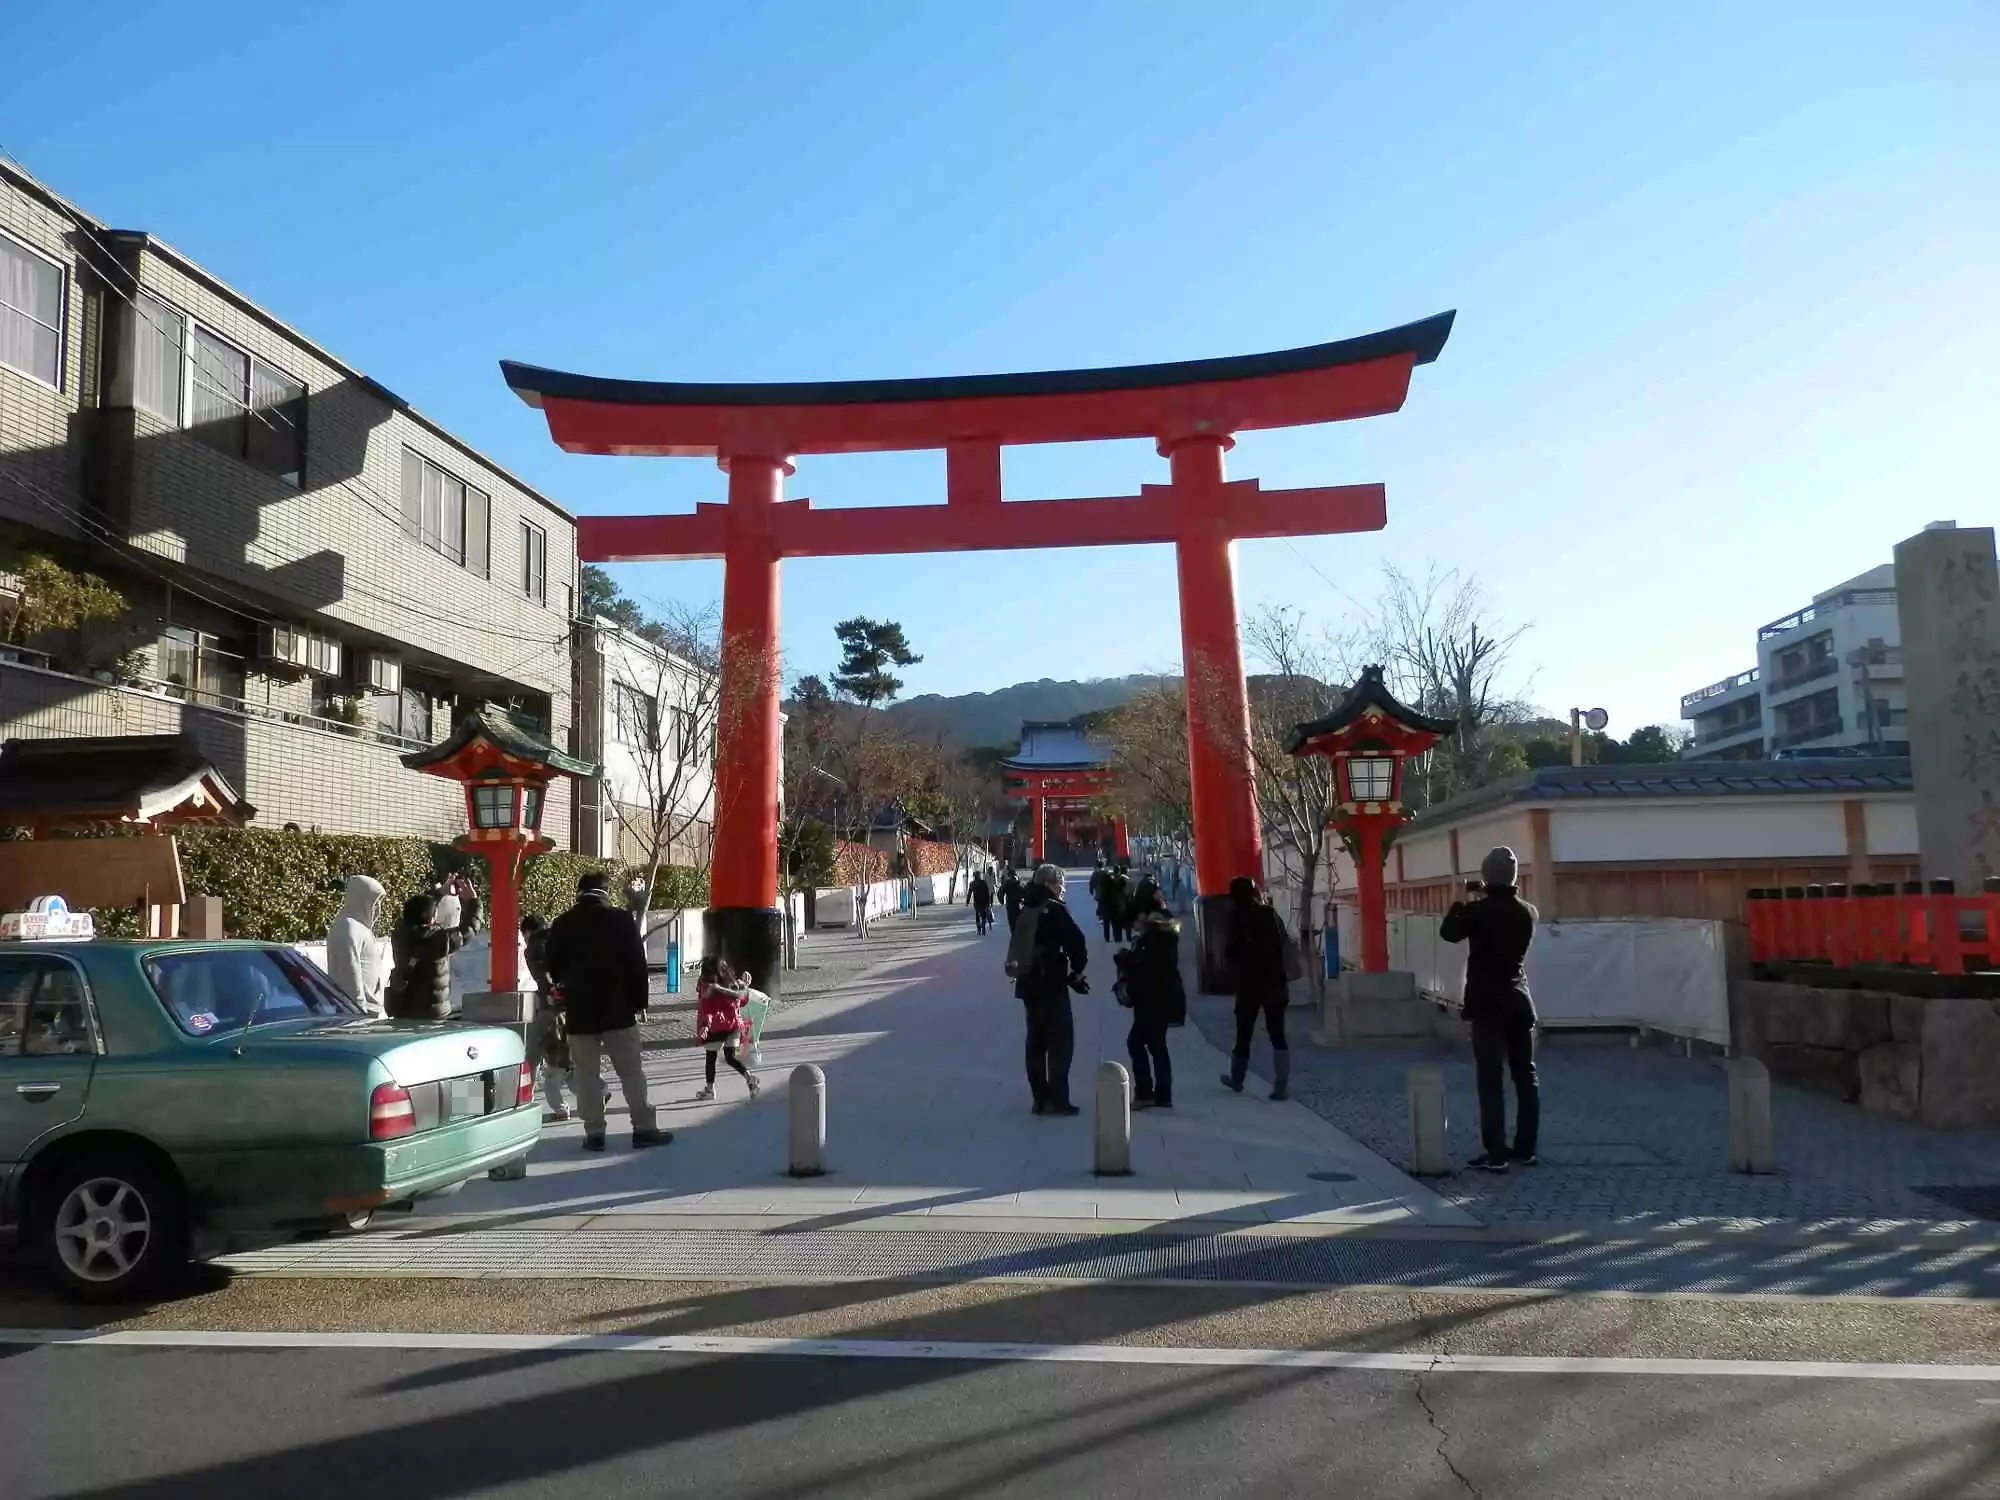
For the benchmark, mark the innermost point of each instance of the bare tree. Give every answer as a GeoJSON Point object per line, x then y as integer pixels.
{"type": "Point", "coordinates": [1306, 672]}
{"type": "Point", "coordinates": [667, 691]}
{"type": "Point", "coordinates": [1146, 742]}
{"type": "Point", "coordinates": [1447, 656]}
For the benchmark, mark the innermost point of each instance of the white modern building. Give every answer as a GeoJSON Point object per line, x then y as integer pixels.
{"type": "Point", "coordinates": [1829, 677]}
{"type": "Point", "coordinates": [647, 718]}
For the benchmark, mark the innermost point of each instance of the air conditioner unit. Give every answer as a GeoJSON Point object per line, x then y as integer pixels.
{"type": "Point", "coordinates": [289, 646]}
{"type": "Point", "coordinates": [379, 672]}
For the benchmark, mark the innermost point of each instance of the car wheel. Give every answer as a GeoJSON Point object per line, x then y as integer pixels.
{"type": "Point", "coordinates": [110, 1226]}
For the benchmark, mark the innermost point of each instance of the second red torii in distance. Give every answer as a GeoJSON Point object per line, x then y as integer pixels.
{"type": "Point", "coordinates": [1191, 410]}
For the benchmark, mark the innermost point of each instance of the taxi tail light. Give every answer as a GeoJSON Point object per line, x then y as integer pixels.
{"type": "Point", "coordinates": [525, 1094]}
{"type": "Point", "coordinates": [390, 1113]}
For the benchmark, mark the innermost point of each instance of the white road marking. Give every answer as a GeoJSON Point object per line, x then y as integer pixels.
{"type": "Point", "coordinates": [1089, 1354]}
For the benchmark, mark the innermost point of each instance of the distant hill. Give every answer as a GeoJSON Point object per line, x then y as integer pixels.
{"type": "Point", "coordinates": [972, 719]}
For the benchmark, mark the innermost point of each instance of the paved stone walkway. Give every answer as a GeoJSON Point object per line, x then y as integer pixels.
{"type": "Point", "coordinates": [939, 1171]}
{"type": "Point", "coordinates": [928, 1115]}
{"type": "Point", "coordinates": [1638, 1138]}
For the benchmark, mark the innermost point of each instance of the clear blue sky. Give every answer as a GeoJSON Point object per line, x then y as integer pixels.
{"type": "Point", "coordinates": [1725, 273]}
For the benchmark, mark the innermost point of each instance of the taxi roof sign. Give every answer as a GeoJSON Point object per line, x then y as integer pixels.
{"type": "Point", "coordinates": [47, 919]}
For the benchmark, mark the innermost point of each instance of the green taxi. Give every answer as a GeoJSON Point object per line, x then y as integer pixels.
{"type": "Point", "coordinates": [160, 1099]}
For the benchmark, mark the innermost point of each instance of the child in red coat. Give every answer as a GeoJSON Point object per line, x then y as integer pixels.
{"type": "Point", "coordinates": [718, 1020]}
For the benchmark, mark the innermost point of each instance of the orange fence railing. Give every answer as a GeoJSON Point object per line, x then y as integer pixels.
{"type": "Point", "coordinates": [1918, 926]}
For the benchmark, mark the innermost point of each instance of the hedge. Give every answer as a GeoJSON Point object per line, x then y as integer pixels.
{"type": "Point", "coordinates": [287, 887]}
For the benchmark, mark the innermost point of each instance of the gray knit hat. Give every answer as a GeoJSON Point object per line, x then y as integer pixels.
{"type": "Point", "coordinates": [1500, 867]}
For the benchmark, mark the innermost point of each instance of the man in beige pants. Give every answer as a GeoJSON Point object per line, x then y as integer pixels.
{"type": "Point", "coordinates": [598, 964]}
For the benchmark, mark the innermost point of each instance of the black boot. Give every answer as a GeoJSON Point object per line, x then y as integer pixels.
{"type": "Point", "coordinates": [1239, 1065]}
{"type": "Point", "coordinates": [1281, 1070]}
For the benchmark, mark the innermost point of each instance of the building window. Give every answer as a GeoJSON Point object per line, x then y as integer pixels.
{"type": "Point", "coordinates": [534, 562]}
{"type": "Point", "coordinates": [405, 715]}
{"type": "Point", "coordinates": [31, 313]}
{"type": "Point", "coordinates": [196, 668]}
{"type": "Point", "coordinates": [159, 344]}
{"type": "Point", "coordinates": [445, 513]}
{"type": "Point", "coordinates": [637, 714]}
{"type": "Point", "coordinates": [239, 405]}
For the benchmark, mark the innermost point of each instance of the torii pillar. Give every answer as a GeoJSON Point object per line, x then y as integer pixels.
{"type": "Point", "coordinates": [1190, 411]}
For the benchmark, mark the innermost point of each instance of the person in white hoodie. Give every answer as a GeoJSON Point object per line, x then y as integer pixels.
{"type": "Point", "coordinates": [357, 961]}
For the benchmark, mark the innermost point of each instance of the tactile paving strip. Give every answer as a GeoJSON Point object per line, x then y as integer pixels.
{"type": "Point", "coordinates": [1843, 1268]}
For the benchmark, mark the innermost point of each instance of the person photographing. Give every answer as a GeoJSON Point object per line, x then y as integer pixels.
{"type": "Point", "coordinates": [1498, 928]}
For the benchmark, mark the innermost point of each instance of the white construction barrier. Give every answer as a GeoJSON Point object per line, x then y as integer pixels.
{"type": "Point", "coordinates": [1666, 974]}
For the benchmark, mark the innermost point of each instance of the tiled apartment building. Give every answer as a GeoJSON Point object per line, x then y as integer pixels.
{"type": "Point", "coordinates": [316, 577]}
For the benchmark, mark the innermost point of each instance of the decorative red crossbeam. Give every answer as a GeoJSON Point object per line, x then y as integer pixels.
{"type": "Point", "coordinates": [1249, 513]}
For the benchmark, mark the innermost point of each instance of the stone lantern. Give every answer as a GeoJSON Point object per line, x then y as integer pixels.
{"type": "Point", "coordinates": [506, 772]}
{"type": "Point", "coordinates": [1369, 737]}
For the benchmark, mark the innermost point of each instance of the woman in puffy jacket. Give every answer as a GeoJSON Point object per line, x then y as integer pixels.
{"type": "Point", "coordinates": [421, 950]}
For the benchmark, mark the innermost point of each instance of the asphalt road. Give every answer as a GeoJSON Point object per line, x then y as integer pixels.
{"type": "Point", "coordinates": [386, 1423]}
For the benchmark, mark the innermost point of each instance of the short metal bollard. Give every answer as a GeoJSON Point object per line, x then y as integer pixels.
{"type": "Point", "coordinates": [808, 1132]}
{"type": "Point", "coordinates": [1752, 1148]}
{"type": "Point", "coordinates": [1114, 1120]}
{"type": "Point", "coordinates": [1429, 1155]}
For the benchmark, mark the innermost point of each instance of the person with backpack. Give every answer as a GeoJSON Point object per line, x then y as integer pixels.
{"type": "Point", "coordinates": [1256, 955]}
{"type": "Point", "coordinates": [1150, 977]}
{"type": "Point", "coordinates": [1045, 959]}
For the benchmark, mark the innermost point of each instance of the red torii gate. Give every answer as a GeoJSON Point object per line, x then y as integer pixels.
{"type": "Point", "coordinates": [1057, 771]}
{"type": "Point", "coordinates": [1062, 792]}
{"type": "Point", "coordinates": [1190, 410]}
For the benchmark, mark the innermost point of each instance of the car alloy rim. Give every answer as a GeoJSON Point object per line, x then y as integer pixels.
{"type": "Point", "coordinates": [102, 1229]}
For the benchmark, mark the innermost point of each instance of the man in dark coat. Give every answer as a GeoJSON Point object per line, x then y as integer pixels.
{"type": "Point", "coordinates": [1011, 895]}
{"type": "Point", "coordinates": [980, 894]}
{"type": "Point", "coordinates": [1154, 989]}
{"type": "Point", "coordinates": [1045, 958]}
{"type": "Point", "coordinates": [1113, 892]}
{"type": "Point", "coordinates": [1499, 927]}
{"type": "Point", "coordinates": [1256, 959]}
{"type": "Point", "coordinates": [598, 963]}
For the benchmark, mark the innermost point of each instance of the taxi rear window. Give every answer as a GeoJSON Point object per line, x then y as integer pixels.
{"type": "Point", "coordinates": [214, 991]}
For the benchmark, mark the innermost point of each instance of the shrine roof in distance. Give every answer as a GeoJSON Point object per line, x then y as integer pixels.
{"type": "Point", "coordinates": [1054, 747]}
{"type": "Point", "coordinates": [1357, 377]}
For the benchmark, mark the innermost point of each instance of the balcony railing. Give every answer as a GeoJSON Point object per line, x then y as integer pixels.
{"type": "Point", "coordinates": [1818, 607]}
{"type": "Point", "coordinates": [1690, 701]}
{"type": "Point", "coordinates": [1733, 732]}
{"type": "Point", "coordinates": [1826, 729]}
{"type": "Point", "coordinates": [1825, 667]}
{"type": "Point", "coordinates": [240, 707]}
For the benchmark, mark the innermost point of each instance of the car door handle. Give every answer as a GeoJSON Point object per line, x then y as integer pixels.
{"type": "Point", "coordinates": [38, 1090]}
